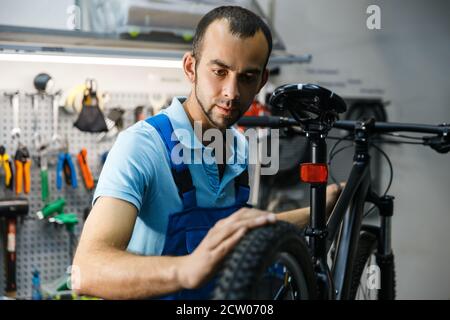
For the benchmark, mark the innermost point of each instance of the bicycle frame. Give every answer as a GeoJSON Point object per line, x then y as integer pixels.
{"type": "Point", "coordinates": [345, 221]}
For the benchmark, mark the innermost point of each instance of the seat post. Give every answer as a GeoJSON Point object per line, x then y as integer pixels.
{"type": "Point", "coordinates": [318, 197]}
{"type": "Point", "coordinates": [317, 229]}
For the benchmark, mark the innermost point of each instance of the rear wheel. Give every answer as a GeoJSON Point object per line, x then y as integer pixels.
{"type": "Point", "coordinates": [271, 262]}
{"type": "Point", "coordinates": [373, 275]}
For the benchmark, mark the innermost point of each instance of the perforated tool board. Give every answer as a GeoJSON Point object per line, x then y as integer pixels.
{"type": "Point", "coordinates": [39, 244]}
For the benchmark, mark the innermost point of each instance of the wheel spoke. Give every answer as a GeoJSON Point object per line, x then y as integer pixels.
{"type": "Point", "coordinates": [280, 292]}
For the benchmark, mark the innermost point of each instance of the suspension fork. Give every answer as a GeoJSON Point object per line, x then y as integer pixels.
{"type": "Point", "coordinates": [384, 256]}
{"type": "Point", "coordinates": [385, 205]}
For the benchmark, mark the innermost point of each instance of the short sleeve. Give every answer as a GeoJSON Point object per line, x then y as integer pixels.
{"type": "Point", "coordinates": [129, 169]}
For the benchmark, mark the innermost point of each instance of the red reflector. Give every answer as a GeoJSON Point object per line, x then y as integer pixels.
{"type": "Point", "coordinates": [314, 172]}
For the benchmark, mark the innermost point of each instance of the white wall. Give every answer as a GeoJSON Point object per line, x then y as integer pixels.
{"type": "Point", "coordinates": [20, 75]}
{"type": "Point", "coordinates": [49, 14]}
{"type": "Point", "coordinates": [407, 63]}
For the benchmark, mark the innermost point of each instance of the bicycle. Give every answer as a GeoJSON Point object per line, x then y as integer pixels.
{"type": "Point", "coordinates": [327, 259]}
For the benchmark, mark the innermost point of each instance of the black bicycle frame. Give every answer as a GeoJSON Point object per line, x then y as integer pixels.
{"type": "Point", "coordinates": [343, 224]}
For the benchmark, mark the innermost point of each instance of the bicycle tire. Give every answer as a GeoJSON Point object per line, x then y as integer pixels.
{"type": "Point", "coordinates": [241, 276]}
{"type": "Point", "coordinates": [367, 250]}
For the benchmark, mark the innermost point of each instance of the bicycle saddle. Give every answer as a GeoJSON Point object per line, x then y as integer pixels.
{"type": "Point", "coordinates": [309, 103]}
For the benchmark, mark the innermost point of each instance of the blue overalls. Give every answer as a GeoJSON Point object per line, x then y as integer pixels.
{"type": "Point", "coordinates": [186, 229]}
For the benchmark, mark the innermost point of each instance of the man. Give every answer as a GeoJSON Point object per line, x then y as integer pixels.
{"type": "Point", "coordinates": [160, 228]}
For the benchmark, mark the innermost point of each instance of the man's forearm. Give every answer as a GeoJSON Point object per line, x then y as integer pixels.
{"type": "Point", "coordinates": [115, 274]}
{"type": "Point", "coordinates": [301, 217]}
{"type": "Point", "coordinates": [298, 217]}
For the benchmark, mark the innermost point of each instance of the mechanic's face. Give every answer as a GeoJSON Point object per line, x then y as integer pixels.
{"type": "Point", "coordinates": [228, 76]}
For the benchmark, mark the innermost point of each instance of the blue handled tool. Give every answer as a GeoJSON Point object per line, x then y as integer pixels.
{"type": "Point", "coordinates": [65, 165]}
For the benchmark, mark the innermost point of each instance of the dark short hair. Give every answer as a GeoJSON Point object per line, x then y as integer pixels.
{"type": "Point", "coordinates": [242, 22]}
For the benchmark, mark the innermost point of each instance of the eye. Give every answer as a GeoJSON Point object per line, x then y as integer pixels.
{"type": "Point", "coordinates": [248, 77]}
{"type": "Point", "coordinates": [220, 72]}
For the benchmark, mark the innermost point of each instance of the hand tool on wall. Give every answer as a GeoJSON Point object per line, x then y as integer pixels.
{"type": "Point", "coordinates": [56, 206]}
{"type": "Point", "coordinates": [55, 111]}
{"type": "Point", "coordinates": [14, 100]}
{"type": "Point", "coordinates": [103, 157]}
{"type": "Point", "coordinates": [85, 171]}
{"type": "Point", "coordinates": [91, 118]}
{"type": "Point", "coordinates": [55, 144]}
{"type": "Point", "coordinates": [69, 220]}
{"type": "Point", "coordinates": [44, 84]}
{"type": "Point", "coordinates": [22, 161]}
{"type": "Point", "coordinates": [55, 213]}
{"type": "Point", "coordinates": [10, 210]}
{"type": "Point", "coordinates": [36, 291]}
{"type": "Point", "coordinates": [114, 123]}
{"type": "Point", "coordinates": [37, 139]}
{"type": "Point", "coordinates": [72, 99]}
{"type": "Point", "coordinates": [43, 163]}
{"type": "Point", "coordinates": [62, 285]}
{"type": "Point", "coordinates": [5, 163]}
{"type": "Point", "coordinates": [22, 165]}
{"type": "Point", "coordinates": [40, 148]}
{"type": "Point", "coordinates": [65, 165]}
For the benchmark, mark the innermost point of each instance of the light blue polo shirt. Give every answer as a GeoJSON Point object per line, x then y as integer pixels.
{"type": "Point", "coordinates": [137, 170]}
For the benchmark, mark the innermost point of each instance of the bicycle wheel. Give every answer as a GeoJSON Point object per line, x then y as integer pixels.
{"type": "Point", "coordinates": [270, 263]}
{"type": "Point", "coordinates": [373, 276]}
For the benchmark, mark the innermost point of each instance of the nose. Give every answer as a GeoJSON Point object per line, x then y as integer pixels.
{"type": "Point", "coordinates": [231, 88]}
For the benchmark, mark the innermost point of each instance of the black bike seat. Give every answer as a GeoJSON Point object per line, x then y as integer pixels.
{"type": "Point", "coordinates": [307, 101]}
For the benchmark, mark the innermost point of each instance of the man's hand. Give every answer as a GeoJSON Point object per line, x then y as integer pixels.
{"type": "Point", "coordinates": [333, 192]}
{"type": "Point", "coordinates": [199, 266]}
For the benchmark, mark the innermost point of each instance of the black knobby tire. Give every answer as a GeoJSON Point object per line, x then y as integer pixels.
{"type": "Point", "coordinates": [367, 255]}
{"type": "Point", "coordinates": [243, 274]}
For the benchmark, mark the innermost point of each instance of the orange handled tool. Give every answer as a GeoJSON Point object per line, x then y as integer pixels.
{"type": "Point", "coordinates": [23, 170]}
{"type": "Point", "coordinates": [86, 172]}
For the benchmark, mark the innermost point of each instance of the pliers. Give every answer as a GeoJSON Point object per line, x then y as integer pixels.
{"type": "Point", "coordinates": [5, 162]}
{"type": "Point", "coordinates": [65, 165]}
{"type": "Point", "coordinates": [22, 163]}
{"type": "Point", "coordinates": [86, 172]}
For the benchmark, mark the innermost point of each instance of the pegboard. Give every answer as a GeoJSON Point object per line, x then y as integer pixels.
{"type": "Point", "coordinates": [40, 244]}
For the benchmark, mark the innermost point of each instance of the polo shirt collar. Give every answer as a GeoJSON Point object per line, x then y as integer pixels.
{"type": "Point", "coordinates": [185, 133]}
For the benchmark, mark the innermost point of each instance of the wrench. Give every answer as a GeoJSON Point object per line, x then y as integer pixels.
{"type": "Point", "coordinates": [37, 139]}
{"type": "Point", "coordinates": [56, 96]}
{"type": "Point", "coordinates": [14, 99]}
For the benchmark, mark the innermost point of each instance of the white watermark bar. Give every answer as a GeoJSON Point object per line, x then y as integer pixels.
{"type": "Point", "coordinates": [260, 149]}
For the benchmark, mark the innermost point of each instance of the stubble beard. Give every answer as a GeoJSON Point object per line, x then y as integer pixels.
{"type": "Point", "coordinates": [209, 113]}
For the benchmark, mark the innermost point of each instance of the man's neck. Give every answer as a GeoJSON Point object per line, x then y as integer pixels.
{"type": "Point", "coordinates": [195, 114]}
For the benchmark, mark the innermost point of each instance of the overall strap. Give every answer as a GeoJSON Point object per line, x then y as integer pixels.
{"type": "Point", "coordinates": [182, 175]}
{"type": "Point", "coordinates": [242, 189]}
{"type": "Point", "coordinates": [180, 172]}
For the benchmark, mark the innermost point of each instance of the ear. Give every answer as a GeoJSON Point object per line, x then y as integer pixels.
{"type": "Point", "coordinates": [264, 78]}
{"type": "Point", "coordinates": [189, 66]}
